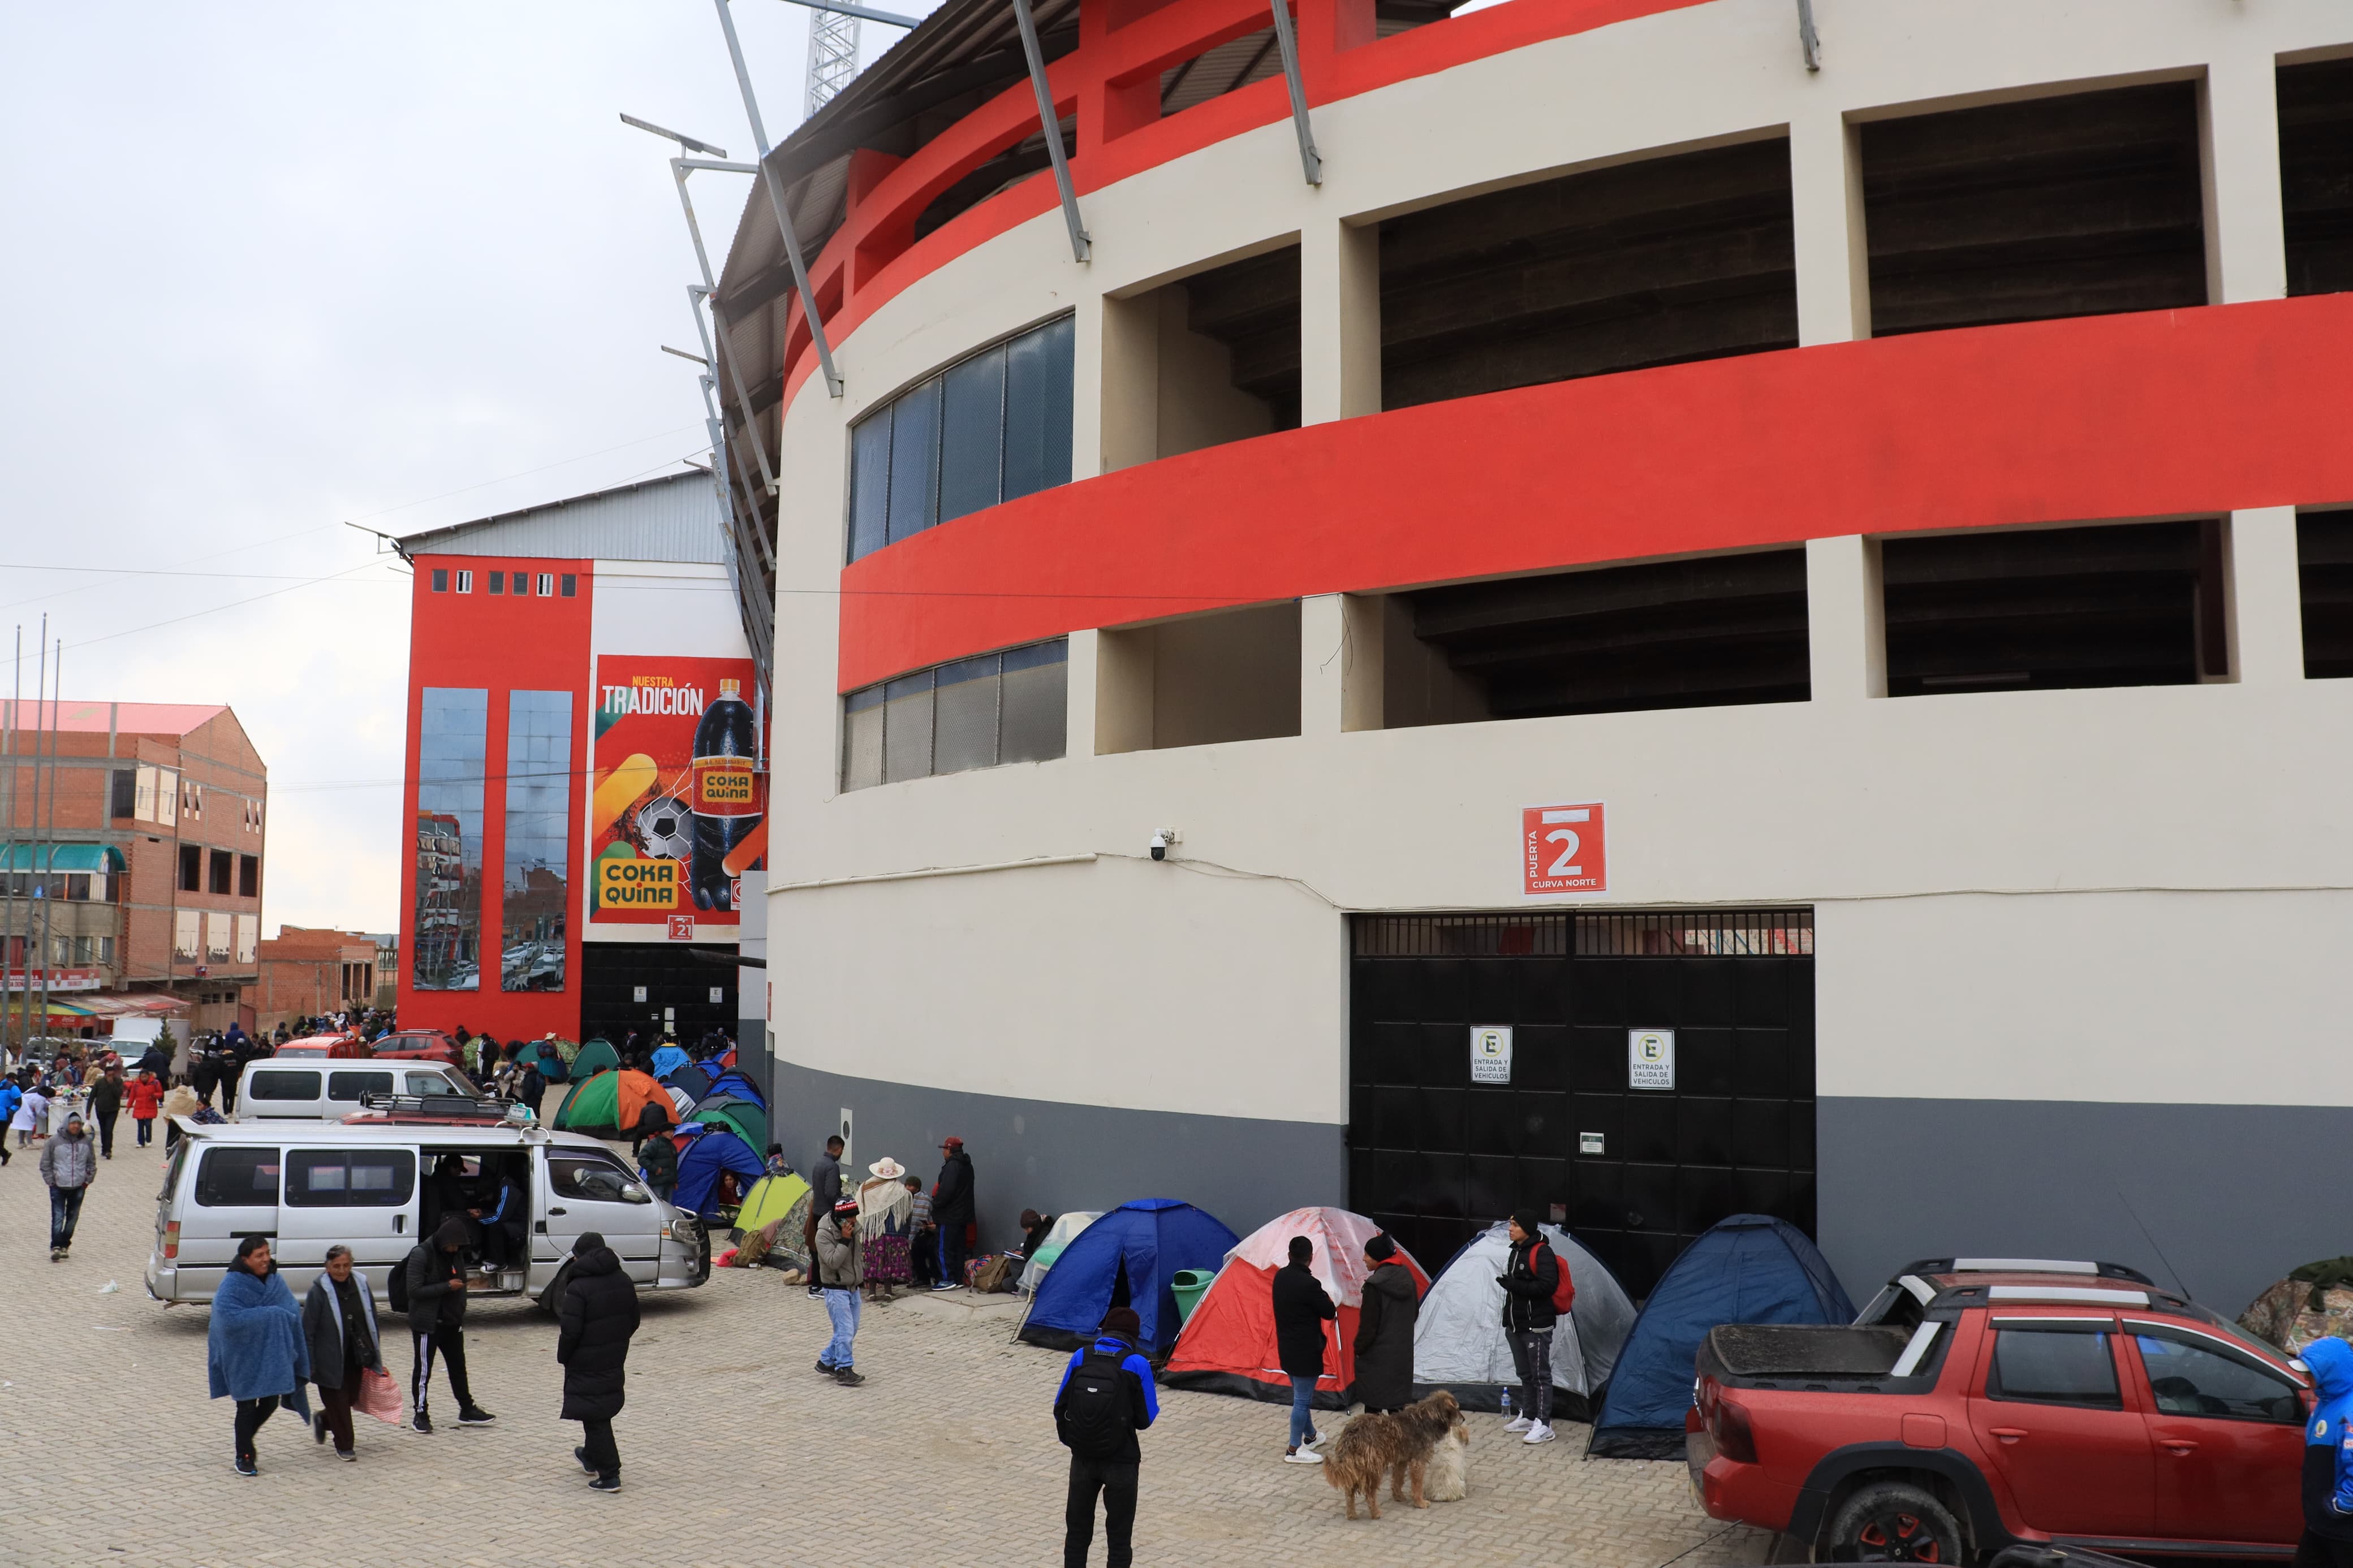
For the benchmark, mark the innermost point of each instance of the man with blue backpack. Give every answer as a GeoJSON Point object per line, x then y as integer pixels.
{"type": "Point", "coordinates": [1106, 1398]}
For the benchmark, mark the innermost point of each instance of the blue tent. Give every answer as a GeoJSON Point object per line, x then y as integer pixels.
{"type": "Point", "coordinates": [699, 1166]}
{"type": "Point", "coordinates": [667, 1060]}
{"type": "Point", "coordinates": [1750, 1268]}
{"type": "Point", "coordinates": [1127, 1258]}
{"type": "Point", "coordinates": [732, 1081]}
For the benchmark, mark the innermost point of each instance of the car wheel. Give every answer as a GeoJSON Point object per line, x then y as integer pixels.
{"type": "Point", "coordinates": [1893, 1521]}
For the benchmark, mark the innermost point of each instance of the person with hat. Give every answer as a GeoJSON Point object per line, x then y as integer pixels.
{"type": "Point", "coordinates": [1384, 1342]}
{"type": "Point", "coordinates": [70, 1164]}
{"type": "Point", "coordinates": [953, 1210]}
{"type": "Point", "coordinates": [836, 1269]}
{"type": "Point", "coordinates": [596, 1322]}
{"type": "Point", "coordinates": [886, 1219]}
{"type": "Point", "coordinates": [1105, 1399]}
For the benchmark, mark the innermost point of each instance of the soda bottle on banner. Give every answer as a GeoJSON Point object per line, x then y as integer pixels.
{"type": "Point", "coordinates": [726, 795]}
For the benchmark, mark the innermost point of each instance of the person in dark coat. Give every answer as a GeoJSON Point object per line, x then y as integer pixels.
{"type": "Point", "coordinates": [658, 1162]}
{"type": "Point", "coordinates": [437, 1323]}
{"type": "Point", "coordinates": [953, 1210]}
{"type": "Point", "coordinates": [1384, 1343]}
{"type": "Point", "coordinates": [592, 1342]}
{"type": "Point", "coordinates": [824, 1191]}
{"type": "Point", "coordinates": [1528, 1278]}
{"type": "Point", "coordinates": [339, 1322]}
{"type": "Point", "coordinates": [1301, 1310]}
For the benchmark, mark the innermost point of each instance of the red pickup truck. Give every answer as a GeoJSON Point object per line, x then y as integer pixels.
{"type": "Point", "coordinates": [1978, 1403]}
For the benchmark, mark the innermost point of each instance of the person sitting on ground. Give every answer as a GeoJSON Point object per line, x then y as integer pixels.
{"type": "Point", "coordinates": [777, 1165]}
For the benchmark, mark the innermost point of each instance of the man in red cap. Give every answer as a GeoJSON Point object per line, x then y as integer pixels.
{"type": "Point", "coordinates": [953, 1210]}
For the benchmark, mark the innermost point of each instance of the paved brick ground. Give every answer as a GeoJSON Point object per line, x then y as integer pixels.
{"type": "Point", "coordinates": [734, 1450]}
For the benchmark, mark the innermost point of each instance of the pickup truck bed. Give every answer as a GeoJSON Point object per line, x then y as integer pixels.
{"type": "Point", "coordinates": [1779, 1355]}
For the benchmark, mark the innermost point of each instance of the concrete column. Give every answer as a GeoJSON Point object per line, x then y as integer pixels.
{"type": "Point", "coordinates": [1825, 204]}
{"type": "Point", "coordinates": [1079, 695]}
{"type": "Point", "coordinates": [2246, 243]}
{"type": "Point", "coordinates": [1340, 663]}
{"type": "Point", "coordinates": [1125, 677]}
{"type": "Point", "coordinates": [1127, 404]}
{"type": "Point", "coordinates": [1339, 321]}
{"type": "Point", "coordinates": [1846, 620]}
{"type": "Point", "coordinates": [1088, 373]}
{"type": "Point", "coordinates": [2265, 595]}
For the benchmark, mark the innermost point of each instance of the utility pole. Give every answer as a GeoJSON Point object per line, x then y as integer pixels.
{"type": "Point", "coordinates": [8, 853]}
{"type": "Point", "coordinates": [49, 837]}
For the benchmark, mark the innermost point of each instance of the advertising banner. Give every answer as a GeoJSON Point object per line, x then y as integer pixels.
{"type": "Point", "coordinates": [678, 807]}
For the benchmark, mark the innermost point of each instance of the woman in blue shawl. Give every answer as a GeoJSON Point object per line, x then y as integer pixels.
{"type": "Point", "coordinates": [256, 1352]}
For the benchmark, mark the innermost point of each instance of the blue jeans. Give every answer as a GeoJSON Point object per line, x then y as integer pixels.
{"type": "Point", "coordinates": [64, 1211]}
{"type": "Point", "coordinates": [841, 1306]}
{"type": "Point", "coordinates": [1303, 1419]}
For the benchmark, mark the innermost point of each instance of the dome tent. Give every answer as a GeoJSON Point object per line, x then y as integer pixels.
{"type": "Point", "coordinates": [1227, 1345]}
{"type": "Point", "coordinates": [734, 1102]}
{"type": "Point", "coordinates": [595, 1056]}
{"type": "Point", "coordinates": [1125, 1258]}
{"type": "Point", "coordinates": [1065, 1229]}
{"type": "Point", "coordinates": [1750, 1268]}
{"type": "Point", "coordinates": [609, 1104]}
{"type": "Point", "coordinates": [703, 1158]}
{"type": "Point", "coordinates": [1459, 1344]}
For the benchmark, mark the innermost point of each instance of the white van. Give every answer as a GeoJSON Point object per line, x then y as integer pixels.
{"type": "Point", "coordinates": [378, 1186]}
{"type": "Point", "coordinates": [328, 1088]}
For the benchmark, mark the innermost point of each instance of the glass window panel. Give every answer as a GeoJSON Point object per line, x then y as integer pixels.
{"type": "Point", "coordinates": [2190, 1380]}
{"type": "Point", "coordinates": [1035, 697]}
{"type": "Point", "coordinates": [537, 889]}
{"type": "Point", "coordinates": [350, 1178]}
{"type": "Point", "coordinates": [1038, 408]}
{"type": "Point", "coordinates": [452, 733]}
{"type": "Point", "coordinates": [972, 435]}
{"type": "Point", "coordinates": [964, 716]}
{"type": "Point", "coordinates": [862, 739]}
{"type": "Point", "coordinates": [907, 728]}
{"type": "Point", "coordinates": [870, 483]}
{"type": "Point", "coordinates": [915, 461]}
{"type": "Point", "coordinates": [237, 1178]}
{"type": "Point", "coordinates": [2054, 1367]}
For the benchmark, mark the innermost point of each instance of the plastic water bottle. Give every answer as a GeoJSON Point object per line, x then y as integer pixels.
{"type": "Point", "coordinates": [1507, 1406]}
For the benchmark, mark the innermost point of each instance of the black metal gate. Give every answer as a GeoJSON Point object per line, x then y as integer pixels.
{"type": "Point", "coordinates": [1636, 1172]}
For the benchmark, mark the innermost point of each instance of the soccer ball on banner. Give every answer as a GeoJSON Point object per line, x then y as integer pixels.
{"type": "Point", "coordinates": [666, 829]}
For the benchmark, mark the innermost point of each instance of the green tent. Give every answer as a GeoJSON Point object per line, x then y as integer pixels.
{"type": "Point", "coordinates": [741, 1117]}
{"type": "Point", "coordinates": [594, 1058]}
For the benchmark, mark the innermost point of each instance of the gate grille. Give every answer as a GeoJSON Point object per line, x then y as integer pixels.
{"type": "Point", "coordinates": [1663, 933]}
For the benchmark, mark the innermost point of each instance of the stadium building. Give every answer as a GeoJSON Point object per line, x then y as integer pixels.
{"type": "Point", "coordinates": [1613, 606]}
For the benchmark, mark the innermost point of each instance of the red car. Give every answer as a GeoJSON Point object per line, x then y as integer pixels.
{"type": "Point", "coordinates": [418, 1046]}
{"type": "Point", "coordinates": [1978, 1403]}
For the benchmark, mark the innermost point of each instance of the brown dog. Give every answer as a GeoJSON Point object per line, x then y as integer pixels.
{"type": "Point", "coordinates": [1397, 1446]}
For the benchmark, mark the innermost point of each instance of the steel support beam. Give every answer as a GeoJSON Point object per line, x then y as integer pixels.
{"type": "Point", "coordinates": [1080, 246]}
{"type": "Point", "coordinates": [886, 17]}
{"type": "Point", "coordinates": [777, 203]}
{"type": "Point", "coordinates": [1809, 43]}
{"type": "Point", "coordinates": [1311, 163]}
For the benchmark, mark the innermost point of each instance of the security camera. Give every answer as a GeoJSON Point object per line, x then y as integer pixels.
{"type": "Point", "coordinates": [1160, 845]}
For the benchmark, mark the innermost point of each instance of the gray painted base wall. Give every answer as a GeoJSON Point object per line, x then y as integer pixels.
{"type": "Point", "coordinates": [2233, 1197]}
{"type": "Point", "coordinates": [1054, 1156]}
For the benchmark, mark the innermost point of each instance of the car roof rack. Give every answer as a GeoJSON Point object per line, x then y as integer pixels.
{"type": "Point", "coordinates": [2027, 1266]}
{"type": "Point", "coordinates": [443, 1107]}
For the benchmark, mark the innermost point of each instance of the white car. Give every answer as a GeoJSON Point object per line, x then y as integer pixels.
{"type": "Point", "coordinates": [328, 1088]}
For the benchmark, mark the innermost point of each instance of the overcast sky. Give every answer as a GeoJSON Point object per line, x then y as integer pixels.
{"type": "Point", "coordinates": [270, 268]}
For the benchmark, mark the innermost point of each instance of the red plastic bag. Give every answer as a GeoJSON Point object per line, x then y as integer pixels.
{"type": "Point", "coordinates": [377, 1396]}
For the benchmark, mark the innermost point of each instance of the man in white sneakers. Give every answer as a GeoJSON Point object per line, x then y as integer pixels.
{"type": "Point", "coordinates": [1528, 1280]}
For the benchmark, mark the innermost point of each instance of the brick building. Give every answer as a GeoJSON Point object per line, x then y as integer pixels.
{"type": "Point", "coordinates": [306, 971]}
{"type": "Point", "coordinates": [148, 852]}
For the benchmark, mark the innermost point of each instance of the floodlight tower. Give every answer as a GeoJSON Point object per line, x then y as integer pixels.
{"type": "Point", "coordinates": [832, 55]}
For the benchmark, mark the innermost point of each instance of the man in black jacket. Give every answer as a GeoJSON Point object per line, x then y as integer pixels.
{"type": "Point", "coordinates": [1099, 1428]}
{"type": "Point", "coordinates": [953, 1211]}
{"type": "Point", "coordinates": [1528, 1278]}
{"type": "Point", "coordinates": [599, 1315]}
{"type": "Point", "coordinates": [437, 1323]}
{"type": "Point", "coordinates": [824, 1191]}
{"type": "Point", "coordinates": [1300, 1310]}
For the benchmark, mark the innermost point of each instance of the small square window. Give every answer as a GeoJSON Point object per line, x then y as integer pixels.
{"type": "Point", "coordinates": [546, 584]}
{"type": "Point", "coordinates": [571, 585]}
{"type": "Point", "coordinates": [465, 581]}
{"type": "Point", "coordinates": [498, 582]}
{"type": "Point", "coordinates": [521, 584]}
{"type": "Point", "coordinates": [440, 579]}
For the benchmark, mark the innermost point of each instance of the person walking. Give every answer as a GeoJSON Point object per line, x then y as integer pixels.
{"type": "Point", "coordinates": [1302, 1308]}
{"type": "Point", "coordinates": [1528, 1278]}
{"type": "Point", "coordinates": [2328, 1480]}
{"type": "Point", "coordinates": [12, 1095]}
{"type": "Point", "coordinates": [1384, 1342]}
{"type": "Point", "coordinates": [658, 1163]}
{"type": "Point", "coordinates": [836, 1267]}
{"type": "Point", "coordinates": [105, 1105]}
{"type": "Point", "coordinates": [1107, 1397]}
{"type": "Point", "coordinates": [825, 1191]}
{"type": "Point", "coordinates": [255, 1352]}
{"type": "Point", "coordinates": [953, 1211]}
{"type": "Point", "coordinates": [340, 1334]}
{"type": "Point", "coordinates": [146, 1096]}
{"type": "Point", "coordinates": [598, 1314]}
{"type": "Point", "coordinates": [437, 1323]}
{"type": "Point", "coordinates": [32, 1112]}
{"type": "Point", "coordinates": [70, 1164]}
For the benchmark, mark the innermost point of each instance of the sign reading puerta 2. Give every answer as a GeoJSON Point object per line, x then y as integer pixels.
{"type": "Point", "coordinates": [679, 808]}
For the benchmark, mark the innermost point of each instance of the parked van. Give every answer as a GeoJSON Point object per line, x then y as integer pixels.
{"type": "Point", "coordinates": [319, 1088]}
{"type": "Point", "coordinates": [378, 1187]}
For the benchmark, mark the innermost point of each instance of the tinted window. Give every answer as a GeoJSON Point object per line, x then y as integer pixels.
{"type": "Point", "coordinates": [588, 1176]}
{"type": "Point", "coordinates": [233, 1178]}
{"type": "Point", "coordinates": [2055, 1366]}
{"type": "Point", "coordinates": [974, 713]}
{"type": "Point", "coordinates": [283, 1084]}
{"type": "Point", "coordinates": [436, 1083]}
{"type": "Point", "coordinates": [350, 1086]}
{"type": "Point", "coordinates": [350, 1178]}
{"type": "Point", "coordinates": [2189, 1379]}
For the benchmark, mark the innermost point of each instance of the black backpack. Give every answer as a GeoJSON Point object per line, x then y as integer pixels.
{"type": "Point", "coordinates": [396, 1288]}
{"type": "Point", "coordinates": [1096, 1418]}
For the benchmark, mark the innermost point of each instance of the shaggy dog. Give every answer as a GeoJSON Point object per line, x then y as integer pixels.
{"type": "Point", "coordinates": [1449, 1467]}
{"type": "Point", "coordinates": [1372, 1445]}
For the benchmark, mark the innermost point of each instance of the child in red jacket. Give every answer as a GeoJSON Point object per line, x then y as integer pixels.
{"type": "Point", "coordinates": [145, 1096]}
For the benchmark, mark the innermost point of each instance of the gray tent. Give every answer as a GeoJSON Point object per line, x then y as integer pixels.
{"type": "Point", "coordinates": [1458, 1343]}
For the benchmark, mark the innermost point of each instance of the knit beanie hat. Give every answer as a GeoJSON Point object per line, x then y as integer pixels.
{"type": "Point", "coordinates": [1381, 1249]}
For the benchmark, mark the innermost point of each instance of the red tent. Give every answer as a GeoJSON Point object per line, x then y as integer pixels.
{"type": "Point", "coordinates": [1227, 1345]}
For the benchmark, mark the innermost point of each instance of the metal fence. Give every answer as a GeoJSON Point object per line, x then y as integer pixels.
{"type": "Point", "coordinates": [1632, 933]}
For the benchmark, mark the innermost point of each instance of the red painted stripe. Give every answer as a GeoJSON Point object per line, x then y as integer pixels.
{"type": "Point", "coordinates": [2107, 417]}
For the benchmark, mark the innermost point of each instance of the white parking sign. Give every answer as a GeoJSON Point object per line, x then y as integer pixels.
{"type": "Point", "coordinates": [1491, 1054]}
{"type": "Point", "coordinates": [1649, 1058]}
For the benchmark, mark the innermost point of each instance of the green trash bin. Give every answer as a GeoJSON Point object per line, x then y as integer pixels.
{"type": "Point", "coordinates": [1188, 1287]}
